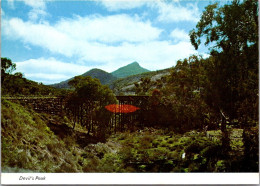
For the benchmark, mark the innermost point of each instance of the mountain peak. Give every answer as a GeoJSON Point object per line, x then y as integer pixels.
{"type": "Point", "coordinates": [134, 63]}
{"type": "Point", "coordinates": [105, 77]}
{"type": "Point", "coordinates": [128, 70]}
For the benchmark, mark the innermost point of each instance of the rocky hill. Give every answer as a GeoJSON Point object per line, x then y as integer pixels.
{"type": "Point", "coordinates": [125, 86]}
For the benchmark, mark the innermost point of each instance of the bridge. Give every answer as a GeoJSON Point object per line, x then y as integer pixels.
{"type": "Point", "coordinates": [119, 121]}
{"type": "Point", "coordinates": [50, 105]}
{"type": "Point", "coordinates": [130, 120]}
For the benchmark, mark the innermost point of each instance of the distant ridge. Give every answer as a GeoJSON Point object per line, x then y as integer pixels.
{"type": "Point", "coordinates": [128, 70]}
{"type": "Point", "coordinates": [103, 76]}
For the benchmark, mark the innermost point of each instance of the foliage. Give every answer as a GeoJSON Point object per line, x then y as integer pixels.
{"type": "Point", "coordinates": [120, 86]}
{"type": "Point", "coordinates": [28, 144]}
{"type": "Point", "coordinates": [179, 104]}
{"type": "Point", "coordinates": [16, 85]}
{"type": "Point", "coordinates": [188, 106]}
{"type": "Point", "coordinates": [86, 104]}
{"type": "Point", "coordinates": [145, 85]}
{"type": "Point", "coordinates": [232, 33]}
{"type": "Point", "coordinates": [251, 149]}
{"type": "Point", "coordinates": [153, 150]}
{"type": "Point", "coordinates": [7, 67]}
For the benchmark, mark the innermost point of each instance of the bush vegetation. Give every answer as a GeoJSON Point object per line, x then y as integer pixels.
{"type": "Point", "coordinates": [16, 85]}
{"type": "Point", "coordinates": [29, 145]}
{"type": "Point", "coordinates": [202, 117]}
{"type": "Point", "coordinates": [154, 150]}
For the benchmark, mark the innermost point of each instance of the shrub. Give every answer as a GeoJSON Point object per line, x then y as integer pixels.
{"type": "Point", "coordinates": [251, 150]}
{"type": "Point", "coordinates": [28, 143]}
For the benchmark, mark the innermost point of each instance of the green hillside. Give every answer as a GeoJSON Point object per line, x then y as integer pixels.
{"type": "Point", "coordinates": [124, 85]}
{"type": "Point", "coordinates": [108, 78]}
{"type": "Point", "coordinates": [103, 76]}
{"type": "Point", "coordinates": [128, 70]}
{"type": "Point", "coordinates": [17, 85]}
{"type": "Point", "coordinates": [201, 115]}
{"type": "Point", "coordinates": [63, 84]}
{"type": "Point", "coordinates": [33, 142]}
{"type": "Point", "coordinates": [29, 145]}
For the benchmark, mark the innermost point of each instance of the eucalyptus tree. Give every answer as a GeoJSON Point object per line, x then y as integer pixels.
{"type": "Point", "coordinates": [184, 93]}
{"type": "Point", "coordinates": [86, 104]}
{"type": "Point", "coordinates": [231, 33]}
{"type": "Point", "coordinates": [7, 67]}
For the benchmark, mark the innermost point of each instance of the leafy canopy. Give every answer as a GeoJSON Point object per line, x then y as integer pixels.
{"type": "Point", "coordinates": [7, 66]}
{"type": "Point", "coordinates": [231, 32]}
{"type": "Point", "coordinates": [231, 27]}
{"type": "Point", "coordinates": [87, 102]}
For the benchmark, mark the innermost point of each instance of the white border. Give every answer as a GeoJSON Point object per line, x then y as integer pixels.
{"type": "Point", "coordinates": [131, 178]}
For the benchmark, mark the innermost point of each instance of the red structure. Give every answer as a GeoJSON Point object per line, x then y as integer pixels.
{"type": "Point", "coordinates": [116, 108]}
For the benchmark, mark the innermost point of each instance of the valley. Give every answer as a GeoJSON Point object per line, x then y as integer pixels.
{"type": "Point", "coordinates": [50, 144]}
{"type": "Point", "coordinates": [199, 115]}
{"type": "Point", "coordinates": [80, 137]}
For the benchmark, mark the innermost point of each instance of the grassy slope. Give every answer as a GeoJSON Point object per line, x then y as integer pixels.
{"type": "Point", "coordinates": [17, 86]}
{"type": "Point", "coordinates": [153, 150]}
{"type": "Point", "coordinates": [120, 84]}
{"type": "Point", "coordinates": [28, 144]}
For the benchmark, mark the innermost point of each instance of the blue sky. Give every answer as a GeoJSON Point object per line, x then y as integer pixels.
{"type": "Point", "coordinates": [53, 40]}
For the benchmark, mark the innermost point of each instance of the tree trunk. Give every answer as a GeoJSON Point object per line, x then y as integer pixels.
{"type": "Point", "coordinates": [225, 134]}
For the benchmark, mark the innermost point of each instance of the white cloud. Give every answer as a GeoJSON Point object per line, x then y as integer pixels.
{"type": "Point", "coordinates": [81, 36]}
{"type": "Point", "coordinates": [38, 11]}
{"type": "Point", "coordinates": [10, 3]}
{"type": "Point", "coordinates": [36, 14]}
{"type": "Point", "coordinates": [49, 70]}
{"type": "Point", "coordinates": [41, 35]}
{"type": "Point", "coordinates": [117, 5]}
{"type": "Point", "coordinates": [174, 12]}
{"type": "Point", "coordinates": [50, 65]}
{"type": "Point", "coordinates": [179, 35]}
{"type": "Point", "coordinates": [152, 55]}
{"type": "Point", "coordinates": [40, 4]}
{"type": "Point", "coordinates": [157, 54]}
{"type": "Point", "coordinates": [47, 78]}
{"type": "Point", "coordinates": [115, 28]}
{"type": "Point", "coordinates": [90, 40]}
{"type": "Point", "coordinates": [38, 8]}
{"type": "Point", "coordinates": [106, 42]}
